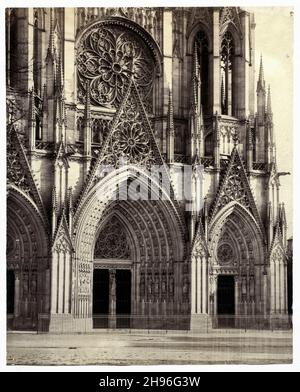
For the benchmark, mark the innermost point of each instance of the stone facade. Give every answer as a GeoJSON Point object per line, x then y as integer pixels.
{"type": "Point", "coordinates": [173, 87]}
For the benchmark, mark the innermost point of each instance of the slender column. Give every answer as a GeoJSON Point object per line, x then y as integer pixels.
{"type": "Point", "coordinates": [285, 289]}
{"type": "Point", "coordinates": [112, 299]}
{"type": "Point", "coordinates": [236, 297]}
{"type": "Point", "coordinates": [215, 280]}
{"type": "Point", "coordinates": [198, 293]}
{"type": "Point", "coordinates": [61, 261]}
{"type": "Point", "coordinates": [204, 285]}
{"type": "Point", "coordinates": [67, 283]}
{"type": "Point", "coordinates": [54, 284]}
{"type": "Point", "coordinates": [47, 291]}
{"type": "Point", "coordinates": [273, 288]}
{"type": "Point", "coordinates": [194, 286]}
{"type": "Point", "coordinates": [17, 295]}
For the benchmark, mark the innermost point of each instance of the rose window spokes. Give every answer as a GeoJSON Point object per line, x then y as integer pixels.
{"type": "Point", "coordinates": [108, 58]}
{"type": "Point", "coordinates": [131, 141]}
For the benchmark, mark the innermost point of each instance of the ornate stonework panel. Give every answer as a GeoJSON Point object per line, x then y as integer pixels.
{"type": "Point", "coordinates": [234, 189]}
{"type": "Point", "coordinates": [108, 57]}
{"type": "Point", "coordinates": [112, 242]}
{"type": "Point", "coordinates": [229, 15]}
{"type": "Point", "coordinates": [131, 139]}
{"type": "Point", "coordinates": [225, 253]}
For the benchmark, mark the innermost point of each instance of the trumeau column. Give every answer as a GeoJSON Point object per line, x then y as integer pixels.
{"type": "Point", "coordinates": [216, 61]}
{"type": "Point", "coordinates": [69, 53]}
{"type": "Point", "coordinates": [112, 322]}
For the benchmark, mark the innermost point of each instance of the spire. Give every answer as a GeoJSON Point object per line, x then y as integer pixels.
{"type": "Point", "coordinates": [196, 81]}
{"type": "Point", "coordinates": [222, 92]}
{"type": "Point", "coordinates": [70, 209]}
{"type": "Point", "coordinates": [51, 47]}
{"type": "Point", "coordinates": [269, 103]}
{"type": "Point", "coordinates": [59, 76]}
{"type": "Point", "coordinates": [261, 78]}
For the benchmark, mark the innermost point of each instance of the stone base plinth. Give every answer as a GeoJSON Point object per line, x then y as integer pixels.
{"type": "Point", "coordinates": [200, 323]}
{"type": "Point", "coordinates": [61, 323]}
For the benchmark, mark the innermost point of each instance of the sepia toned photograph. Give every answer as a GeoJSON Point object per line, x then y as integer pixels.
{"type": "Point", "coordinates": [149, 205]}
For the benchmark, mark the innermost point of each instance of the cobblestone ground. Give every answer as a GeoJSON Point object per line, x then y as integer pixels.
{"type": "Point", "coordinates": [142, 348]}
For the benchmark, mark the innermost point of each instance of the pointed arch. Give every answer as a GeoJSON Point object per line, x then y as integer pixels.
{"type": "Point", "coordinates": [27, 259]}
{"type": "Point", "coordinates": [241, 222]}
{"type": "Point", "coordinates": [114, 189]}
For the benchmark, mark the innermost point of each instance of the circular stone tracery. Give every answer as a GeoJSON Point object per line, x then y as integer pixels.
{"type": "Point", "coordinates": [225, 253]}
{"type": "Point", "coordinates": [108, 57]}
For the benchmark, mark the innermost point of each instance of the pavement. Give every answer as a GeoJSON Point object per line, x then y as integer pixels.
{"type": "Point", "coordinates": [140, 347]}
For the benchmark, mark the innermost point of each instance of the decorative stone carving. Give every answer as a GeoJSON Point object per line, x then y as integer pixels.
{"type": "Point", "coordinates": [225, 253]}
{"type": "Point", "coordinates": [108, 57]}
{"type": "Point", "coordinates": [112, 242]}
{"type": "Point", "coordinates": [131, 139]}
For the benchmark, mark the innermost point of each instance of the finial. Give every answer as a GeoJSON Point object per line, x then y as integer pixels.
{"type": "Point", "coordinates": [50, 51]}
{"type": "Point", "coordinates": [261, 78]}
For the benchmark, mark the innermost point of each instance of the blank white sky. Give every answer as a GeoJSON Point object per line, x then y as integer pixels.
{"type": "Point", "coordinates": [274, 40]}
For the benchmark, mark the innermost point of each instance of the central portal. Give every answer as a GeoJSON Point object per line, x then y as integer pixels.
{"type": "Point", "coordinates": [111, 298]}
{"type": "Point", "coordinates": [226, 303]}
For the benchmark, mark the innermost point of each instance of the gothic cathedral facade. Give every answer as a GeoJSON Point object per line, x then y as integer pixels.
{"type": "Point", "coordinates": [168, 87]}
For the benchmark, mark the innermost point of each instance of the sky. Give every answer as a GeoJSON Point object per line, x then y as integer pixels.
{"type": "Point", "coordinates": [274, 41]}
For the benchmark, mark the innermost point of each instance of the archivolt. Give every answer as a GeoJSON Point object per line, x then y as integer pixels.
{"type": "Point", "coordinates": [154, 224]}
{"type": "Point", "coordinates": [27, 238]}
{"type": "Point", "coordinates": [243, 230]}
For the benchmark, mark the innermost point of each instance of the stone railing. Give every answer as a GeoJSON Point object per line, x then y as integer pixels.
{"type": "Point", "coordinates": [148, 18]}
{"type": "Point", "coordinates": [260, 166]}
{"type": "Point", "coordinates": [207, 161]}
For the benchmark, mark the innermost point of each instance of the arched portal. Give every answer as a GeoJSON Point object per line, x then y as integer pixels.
{"type": "Point", "coordinates": [28, 278]}
{"type": "Point", "coordinates": [238, 269]}
{"type": "Point", "coordinates": [112, 274]}
{"type": "Point", "coordinates": [154, 251]}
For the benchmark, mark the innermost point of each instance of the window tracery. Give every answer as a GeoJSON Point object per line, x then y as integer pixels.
{"type": "Point", "coordinates": [112, 242]}
{"type": "Point", "coordinates": [108, 58]}
{"type": "Point", "coordinates": [227, 56]}
{"type": "Point", "coordinates": [202, 48]}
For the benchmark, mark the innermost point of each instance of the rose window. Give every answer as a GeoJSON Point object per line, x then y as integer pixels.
{"type": "Point", "coordinates": [108, 57]}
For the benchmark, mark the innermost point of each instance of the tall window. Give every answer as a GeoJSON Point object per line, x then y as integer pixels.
{"type": "Point", "coordinates": [12, 48]}
{"type": "Point", "coordinates": [203, 58]}
{"type": "Point", "coordinates": [227, 55]}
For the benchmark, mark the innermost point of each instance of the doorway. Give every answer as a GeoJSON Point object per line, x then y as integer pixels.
{"type": "Point", "coordinates": [10, 294]}
{"type": "Point", "coordinates": [100, 298]}
{"type": "Point", "coordinates": [226, 303]}
{"type": "Point", "coordinates": [123, 298]}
